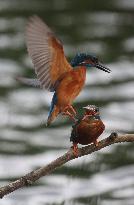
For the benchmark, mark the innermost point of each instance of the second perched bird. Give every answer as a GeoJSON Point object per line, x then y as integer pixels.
{"type": "Point", "coordinates": [88, 129]}
{"type": "Point", "coordinates": [53, 70]}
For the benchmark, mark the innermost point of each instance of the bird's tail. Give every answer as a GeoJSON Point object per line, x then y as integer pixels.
{"type": "Point", "coordinates": [53, 115]}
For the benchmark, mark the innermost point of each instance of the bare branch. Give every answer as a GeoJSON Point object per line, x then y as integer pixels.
{"type": "Point", "coordinates": [31, 177]}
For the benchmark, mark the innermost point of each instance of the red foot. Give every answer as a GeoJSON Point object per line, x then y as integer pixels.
{"type": "Point", "coordinates": [70, 115]}
{"type": "Point", "coordinates": [86, 116]}
{"type": "Point", "coordinates": [67, 112]}
{"type": "Point", "coordinates": [72, 109]}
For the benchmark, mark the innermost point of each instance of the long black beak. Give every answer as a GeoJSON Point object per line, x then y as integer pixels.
{"type": "Point", "coordinates": [101, 67]}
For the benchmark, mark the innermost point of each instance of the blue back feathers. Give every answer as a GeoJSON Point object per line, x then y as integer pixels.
{"type": "Point", "coordinates": [81, 57]}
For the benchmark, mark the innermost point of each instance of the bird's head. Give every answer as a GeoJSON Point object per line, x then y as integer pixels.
{"type": "Point", "coordinates": [87, 60]}
{"type": "Point", "coordinates": [91, 110]}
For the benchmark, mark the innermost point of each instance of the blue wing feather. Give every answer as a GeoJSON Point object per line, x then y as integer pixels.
{"type": "Point", "coordinates": [53, 102]}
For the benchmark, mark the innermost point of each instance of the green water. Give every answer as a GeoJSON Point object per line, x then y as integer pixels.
{"type": "Point", "coordinates": [105, 28]}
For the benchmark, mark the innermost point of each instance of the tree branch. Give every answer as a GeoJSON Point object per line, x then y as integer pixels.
{"type": "Point", "coordinates": [31, 177]}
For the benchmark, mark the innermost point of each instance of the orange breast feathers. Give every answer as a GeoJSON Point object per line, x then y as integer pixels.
{"type": "Point", "coordinates": [91, 128]}
{"type": "Point", "coordinates": [70, 86]}
{"type": "Point", "coordinates": [88, 132]}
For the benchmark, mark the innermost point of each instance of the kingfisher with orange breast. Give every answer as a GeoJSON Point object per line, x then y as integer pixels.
{"type": "Point", "coordinates": [54, 72]}
{"type": "Point", "coordinates": [87, 129]}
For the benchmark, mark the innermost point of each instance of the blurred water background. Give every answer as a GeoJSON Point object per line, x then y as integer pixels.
{"type": "Point", "coordinates": [105, 28]}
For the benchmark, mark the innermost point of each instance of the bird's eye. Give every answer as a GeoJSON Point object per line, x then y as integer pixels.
{"type": "Point", "coordinates": [96, 110]}
{"type": "Point", "coordinates": [94, 59]}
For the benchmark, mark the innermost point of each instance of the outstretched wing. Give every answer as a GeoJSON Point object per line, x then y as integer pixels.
{"type": "Point", "coordinates": [46, 52]}
{"type": "Point", "coordinates": [29, 81]}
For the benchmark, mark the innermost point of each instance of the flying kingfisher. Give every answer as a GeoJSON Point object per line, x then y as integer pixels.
{"type": "Point", "coordinates": [87, 129]}
{"type": "Point", "coordinates": [54, 72]}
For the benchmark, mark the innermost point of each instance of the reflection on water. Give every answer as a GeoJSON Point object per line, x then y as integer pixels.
{"type": "Point", "coordinates": [107, 177]}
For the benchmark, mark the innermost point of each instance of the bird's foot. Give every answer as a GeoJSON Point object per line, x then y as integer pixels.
{"type": "Point", "coordinates": [73, 110]}
{"type": "Point", "coordinates": [75, 150]}
{"type": "Point", "coordinates": [67, 113]}
{"type": "Point", "coordinates": [70, 109]}
{"type": "Point", "coordinates": [86, 116]}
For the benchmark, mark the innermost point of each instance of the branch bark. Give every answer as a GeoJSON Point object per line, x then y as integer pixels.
{"type": "Point", "coordinates": [31, 177]}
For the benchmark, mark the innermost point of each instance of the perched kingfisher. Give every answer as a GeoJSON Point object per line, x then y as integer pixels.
{"type": "Point", "coordinates": [53, 71]}
{"type": "Point", "coordinates": [87, 129]}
